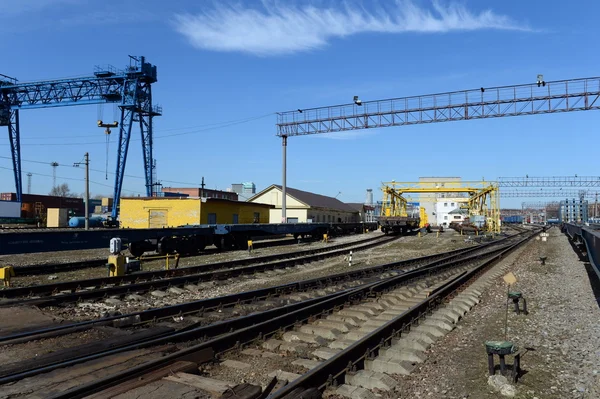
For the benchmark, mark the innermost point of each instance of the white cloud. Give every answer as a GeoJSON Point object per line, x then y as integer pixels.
{"type": "Point", "coordinates": [284, 29]}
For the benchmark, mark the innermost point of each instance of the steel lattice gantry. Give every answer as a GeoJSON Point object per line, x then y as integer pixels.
{"type": "Point", "coordinates": [550, 181]}
{"type": "Point", "coordinates": [131, 88]}
{"type": "Point", "coordinates": [554, 193]}
{"type": "Point", "coordinates": [483, 103]}
{"type": "Point", "coordinates": [482, 197]}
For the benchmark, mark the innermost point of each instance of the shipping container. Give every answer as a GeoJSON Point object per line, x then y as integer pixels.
{"type": "Point", "coordinates": [10, 209]}
{"type": "Point", "coordinates": [57, 217]}
{"type": "Point", "coordinates": [107, 202]}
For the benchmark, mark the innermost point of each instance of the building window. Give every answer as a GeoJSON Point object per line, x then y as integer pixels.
{"type": "Point", "coordinates": [452, 204]}
{"type": "Point", "coordinates": [235, 218]}
{"type": "Point", "coordinates": [446, 217]}
{"type": "Point", "coordinates": [212, 218]}
{"type": "Point", "coordinates": [445, 204]}
{"type": "Point", "coordinates": [256, 217]}
{"type": "Point", "coordinates": [457, 217]}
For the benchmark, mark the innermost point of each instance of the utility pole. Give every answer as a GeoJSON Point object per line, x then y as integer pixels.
{"type": "Point", "coordinates": [86, 199]}
{"type": "Point", "coordinates": [87, 191]}
{"type": "Point", "coordinates": [283, 182]}
{"type": "Point", "coordinates": [54, 165]}
{"type": "Point", "coordinates": [202, 186]}
{"type": "Point", "coordinates": [31, 174]}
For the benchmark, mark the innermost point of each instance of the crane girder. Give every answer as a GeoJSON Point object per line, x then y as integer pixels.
{"type": "Point", "coordinates": [130, 87]}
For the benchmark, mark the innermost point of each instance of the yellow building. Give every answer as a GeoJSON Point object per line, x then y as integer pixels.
{"type": "Point", "coordinates": [303, 206]}
{"type": "Point", "coordinates": [158, 212]}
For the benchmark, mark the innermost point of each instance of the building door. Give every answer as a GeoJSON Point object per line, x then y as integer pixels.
{"type": "Point", "coordinates": [212, 218]}
{"type": "Point", "coordinates": [157, 218]}
{"type": "Point", "coordinates": [235, 218]}
{"type": "Point", "coordinates": [292, 220]}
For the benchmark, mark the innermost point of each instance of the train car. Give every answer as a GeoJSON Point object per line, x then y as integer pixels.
{"type": "Point", "coordinates": [187, 240]}
{"type": "Point", "coordinates": [398, 224]}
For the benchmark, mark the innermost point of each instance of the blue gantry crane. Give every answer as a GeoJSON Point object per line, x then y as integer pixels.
{"type": "Point", "coordinates": [131, 88]}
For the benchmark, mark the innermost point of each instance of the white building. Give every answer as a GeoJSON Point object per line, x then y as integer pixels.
{"type": "Point", "coordinates": [447, 210]}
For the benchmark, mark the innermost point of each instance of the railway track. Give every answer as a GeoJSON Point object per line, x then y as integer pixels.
{"type": "Point", "coordinates": [321, 314]}
{"type": "Point", "coordinates": [48, 268]}
{"type": "Point", "coordinates": [78, 290]}
{"type": "Point", "coordinates": [201, 307]}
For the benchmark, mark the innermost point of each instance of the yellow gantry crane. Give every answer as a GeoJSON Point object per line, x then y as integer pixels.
{"type": "Point", "coordinates": [483, 198]}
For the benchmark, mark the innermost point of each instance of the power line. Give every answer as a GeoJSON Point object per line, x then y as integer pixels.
{"type": "Point", "coordinates": [220, 125]}
{"type": "Point", "coordinates": [102, 171]}
{"type": "Point", "coordinates": [72, 178]}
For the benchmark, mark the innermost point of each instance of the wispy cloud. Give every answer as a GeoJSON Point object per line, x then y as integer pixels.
{"type": "Point", "coordinates": [278, 28]}
{"type": "Point", "coordinates": [10, 8]}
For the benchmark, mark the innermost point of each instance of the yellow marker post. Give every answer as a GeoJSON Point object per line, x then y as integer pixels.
{"type": "Point", "coordinates": [250, 247]}
{"type": "Point", "coordinates": [325, 238]}
{"type": "Point", "coordinates": [419, 234]}
{"type": "Point", "coordinates": [6, 272]}
{"type": "Point", "coordinates": [437, 235]}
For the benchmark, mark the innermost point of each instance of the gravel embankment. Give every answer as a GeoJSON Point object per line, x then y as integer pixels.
{"type": "Point", "coordinates": [560, 337]}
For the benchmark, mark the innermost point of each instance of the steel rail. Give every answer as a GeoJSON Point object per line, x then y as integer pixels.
{"type": "Point", "coordinates": [230, 300]}
{"type": "Point", "coordinates": [195, 331]}
{"type": "Point", "coordinates": [161, 278]}
{"type": "Point", "coordinates": [47, 268]}
{"type": "Point", "coordinates": [206, 351]}
{"type": "Point", "coordinates": [367, 347]}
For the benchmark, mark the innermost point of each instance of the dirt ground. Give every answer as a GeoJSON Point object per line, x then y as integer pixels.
{"type": "Point", "coordinates": [403, 248]}
{"type": "Point", "coordinates": [95, 272]}
{"type": "Point", "coordinates": [559, 337]}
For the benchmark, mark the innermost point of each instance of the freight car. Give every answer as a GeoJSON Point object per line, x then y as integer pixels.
{"type": "Point", "coordinates": [398, 224]}
{"type": "Point", "coordinates": [183, 240]}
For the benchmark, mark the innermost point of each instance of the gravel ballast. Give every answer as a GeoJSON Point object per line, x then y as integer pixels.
{"type": "Point", "coordinates": [559, 338]}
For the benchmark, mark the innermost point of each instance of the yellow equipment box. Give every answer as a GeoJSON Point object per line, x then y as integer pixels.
{"type": "Point", "coordinates": [116, 266]}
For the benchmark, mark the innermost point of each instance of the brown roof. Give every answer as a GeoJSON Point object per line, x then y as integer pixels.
{"type": "Point", "coordinates": [317, 200]}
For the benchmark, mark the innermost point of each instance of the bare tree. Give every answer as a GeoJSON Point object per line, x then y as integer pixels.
{"type": "Point", "coordinates": [62, 190]}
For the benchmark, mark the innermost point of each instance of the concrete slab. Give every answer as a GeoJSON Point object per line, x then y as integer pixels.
{"type": "Point", "coordinates": [385, 316]}
{"type": "Point", "coordinates": [379, 365]}
{"type": "Point", "coordinates": [294, 347]}
{"type": "Point", "coordinates": [134, 297]}
{"type": "Point", "coordinates": [351, 392]}
{"type": "Point", "coordinates": [284, 375]}
{"type": "Point", "coordinates": [234, 364]}
{"type": "Point", "coordinates": [374, 324]}
{"type": "Point", "coordinates": [408, 343]}
{"type": "Point", "coordinates": [458, 306]}
{"type": "Point", "coordinates": [370, 380]}
{"type": "Point", "coordinates": [272, 344]}
{"type": "Point", "coordinates": [191, 287]}
{"type": "Point", "coordinates": [325, 353]}
{"type": "Point", "coordinates": [252, 352]}
{"type": "Point", "coordinates": [296, 336]}
{"type": "Point", "coordinates": [355, 335]}
{"type": "Point", "coordinates": [175, 290]}
{"type": "Point", "coordinates": [402, 354]}
{"type": "Point", "coordinates": [341, 343]}
{"type": "Point", "coordinates": [364, 309]}
{"type": "Point", "coordinates": [321, 331]}
{"type": "Point", "coordinates": [372, 305]}
{"type": "Point", "coordinates": [432, 330]}
{"type": "Point", "coordinates": [338, 325]}
{"type": "Point", "coordinates": [421, 336]}
{"type": "Point", "coordinates": [351, 320]}
{"type": "Point", "coordinates": [360, 315]}
{"type": "Point", "coordinates": [306, 363]}
{"type": "Point", "coordinates": [158, 294]}
{"type": "Point", "coordinates": [113, 301]}
{"type": "Point", "coordinates": [442, 324]}
{"type": "Point", "coordinates": [456, 316]}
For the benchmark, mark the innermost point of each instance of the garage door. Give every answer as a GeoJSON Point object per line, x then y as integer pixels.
{"type": "Point", "coordinates": [157, 218]}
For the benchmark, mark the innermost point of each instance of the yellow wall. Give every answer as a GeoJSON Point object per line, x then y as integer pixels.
{"type": "Point", "coordinates": [135, 213]}
{"type": "Point", "coordinates": [226, 210]}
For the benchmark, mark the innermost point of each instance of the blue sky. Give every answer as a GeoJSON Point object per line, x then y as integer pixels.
{"type": "Point", "coordinates": [224, 62]}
